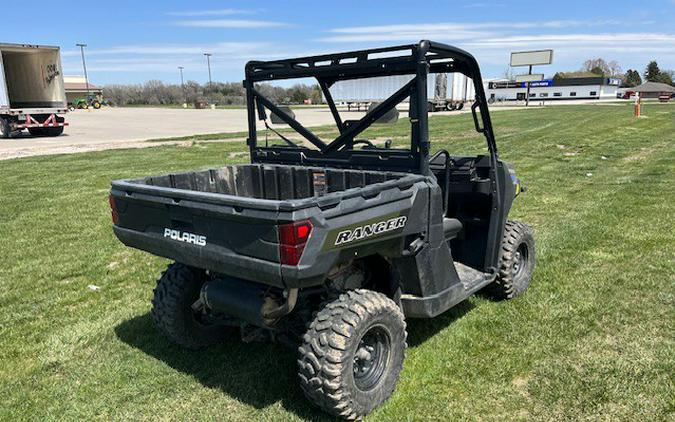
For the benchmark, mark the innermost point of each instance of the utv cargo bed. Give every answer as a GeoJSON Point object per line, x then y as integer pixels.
{"type": "Point", "coordinates": [240, 208]}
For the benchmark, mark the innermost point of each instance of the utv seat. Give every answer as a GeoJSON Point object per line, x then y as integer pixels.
{"type": "Point", "coordinates": [451, 228]}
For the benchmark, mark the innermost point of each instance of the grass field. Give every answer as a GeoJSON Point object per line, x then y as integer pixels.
{"type": "Point", "coordinates": [592, 339]}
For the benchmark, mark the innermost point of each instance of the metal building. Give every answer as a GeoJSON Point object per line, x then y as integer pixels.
{"type": "Point", "coordinates": [588, 88]}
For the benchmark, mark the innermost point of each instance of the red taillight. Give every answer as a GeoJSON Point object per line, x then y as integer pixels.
{"type": "Point", "coordinates": [113, 209]}
{"type": "Point", "coordinates": [292, 240]}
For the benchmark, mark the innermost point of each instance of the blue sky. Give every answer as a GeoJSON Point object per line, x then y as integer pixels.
{"type": "Point", "coordinates": [134, 41]}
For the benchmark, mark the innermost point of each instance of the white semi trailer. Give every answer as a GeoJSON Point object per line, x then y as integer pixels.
{"type": "Point", "coordinates": [32, 93]}
{"type": "Point", "coordinates": [444, 92]}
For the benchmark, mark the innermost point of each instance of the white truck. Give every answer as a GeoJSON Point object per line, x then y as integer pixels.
{"type": "Point", "coordinates": [32, 93]}
{"type": "Point", "coordinates": [444, 91]}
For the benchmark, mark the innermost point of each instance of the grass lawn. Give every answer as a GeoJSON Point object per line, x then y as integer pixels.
{"type": "Point", "coordinates": [592, 339]}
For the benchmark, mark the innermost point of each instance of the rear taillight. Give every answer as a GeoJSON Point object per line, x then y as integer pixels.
{"type": "Point", "coordinates": [113, 209]}
{"type": "Point", "coordinates": [292, 240]}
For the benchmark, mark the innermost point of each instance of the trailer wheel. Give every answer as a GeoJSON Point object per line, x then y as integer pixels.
{"type": "Point", "coordinates": [352, 354]}
{"type": "Point", "coordinates": [517, 261]}
{"type": "Point", "coordinates": [37, 131]}
{"type": "Point", "coordinates": [5, 131]}
{"type": "Point", "coordinates": [53, 131]}
{"type": "Point", "coordinates": [172, 308]}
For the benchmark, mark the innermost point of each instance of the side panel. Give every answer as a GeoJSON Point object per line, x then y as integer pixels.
{"type": "Point", "coordinates": [4, 99]}
{"type": "Point", "coordinates": [34, 78]}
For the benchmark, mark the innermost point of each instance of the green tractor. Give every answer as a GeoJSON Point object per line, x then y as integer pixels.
{"type": "Point", "coordinates": [84, 103]}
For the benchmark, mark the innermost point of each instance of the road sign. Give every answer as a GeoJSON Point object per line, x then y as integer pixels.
{"type": "Point", "coordinates": [530, 77]}
{"type": "Point", "coordinates": [531, 58]}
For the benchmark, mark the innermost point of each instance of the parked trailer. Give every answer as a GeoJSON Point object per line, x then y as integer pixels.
{"type": "Point", "coordinates": [32, 93]}
{"type": "Point", "coordinates": [445, 91]}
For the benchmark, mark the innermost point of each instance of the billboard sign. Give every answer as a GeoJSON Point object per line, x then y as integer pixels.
{"type": "Point", "coordinates": [530, 77]}
{"type": "Point", "coordinates": [531, 58]}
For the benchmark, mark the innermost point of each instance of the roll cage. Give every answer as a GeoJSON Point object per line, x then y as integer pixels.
{"type": "Point", "coordinates": [418, 59]}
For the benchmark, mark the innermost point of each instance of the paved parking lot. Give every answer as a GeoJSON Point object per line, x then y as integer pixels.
{"type": "Point", "coordinates": [109, 128]}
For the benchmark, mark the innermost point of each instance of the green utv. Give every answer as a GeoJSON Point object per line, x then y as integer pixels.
{"type": "Point", "coordinates": [333, 244]}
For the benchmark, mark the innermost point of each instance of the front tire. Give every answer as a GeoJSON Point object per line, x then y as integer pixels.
{"type": "Point", "coordinates": [352, 354]}
{"type": "Point", "coordinates": [517, 261]}
{"type": "Point", "coordinates": [177, 290]}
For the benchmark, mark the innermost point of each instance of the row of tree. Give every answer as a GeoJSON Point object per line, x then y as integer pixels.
{"type": "Point", "coordinates": [229, 93]}
{"type": "Point", "coordinates": [612, 69]}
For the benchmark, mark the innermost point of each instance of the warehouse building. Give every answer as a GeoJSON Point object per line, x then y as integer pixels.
{"type": "Point", "coordinates": [586, 88]}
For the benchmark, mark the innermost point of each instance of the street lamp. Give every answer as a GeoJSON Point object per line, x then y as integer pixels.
{"type": "Point", "coordinates": [208, 63]}
{"type": "Point", "coordinates": [182, 83]}
{"type": "Point", "coordinates": [84, 66]}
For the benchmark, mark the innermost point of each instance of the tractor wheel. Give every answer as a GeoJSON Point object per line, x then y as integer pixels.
{"type": "Point", "coordinates": [172, 308]}
{"type": "Point", "coordinates": [352, 354]}
{"type": "Point", "coordinates": [517, 261]}
{"type": "Point", "coordinates": [96, 105]}
{"type": "Point", "coordinates": [5, 131]}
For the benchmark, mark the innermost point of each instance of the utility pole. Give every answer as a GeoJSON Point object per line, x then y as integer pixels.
{"type": "Point", "coordinates": [84, 66]}
{"type": "Point", "coordinates": [208, 63]}
{"type": "Point", "coordinates": [182, 83]}
{"type": "Point", "coordinates": [527, 96]}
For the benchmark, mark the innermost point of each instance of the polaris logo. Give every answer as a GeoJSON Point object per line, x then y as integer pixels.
{"type": "Point", "coordinates": [186, 237]}
{"type": "Point", "coordinates": [363, 232]}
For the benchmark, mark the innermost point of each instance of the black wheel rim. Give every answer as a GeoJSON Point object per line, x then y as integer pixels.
{"type": "Point", "coordinates": [371, 358]}
{"type": "Point", "coordinates": [521, 260]}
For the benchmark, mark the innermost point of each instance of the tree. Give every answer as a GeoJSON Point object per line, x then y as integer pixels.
{"type": "Point", "coordinates": [558, 76]}
{"type": "Point", "coordinates": [597, 66]}
{"type": "Point", "coordinates": [632, 78]}
{"type": "Point", "coordinates": [597, 70]}
{"type": "Point", "coordinates": [666, 77]}
{"type": "Point", "coordinates": [508, 74]}
{"type": "Point", "coordinates": [615, 70]}
{"type": "Point", "coordinates": [652, 72]}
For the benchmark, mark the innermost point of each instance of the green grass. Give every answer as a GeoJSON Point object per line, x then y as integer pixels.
{"type": "Point", "coordinates": [592, 339]}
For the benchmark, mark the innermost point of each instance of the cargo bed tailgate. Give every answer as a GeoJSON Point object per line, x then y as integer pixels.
{"type": "Point", "coordinates": [224, 235]}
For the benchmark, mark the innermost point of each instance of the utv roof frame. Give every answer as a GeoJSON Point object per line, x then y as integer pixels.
{"type": "Point", "coordinates": [418, 59]}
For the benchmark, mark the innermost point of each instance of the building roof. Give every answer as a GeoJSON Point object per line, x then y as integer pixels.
{"type": "Point", "coordinates": [80, 86]}
{"type": "Point", "coordinates": [654, 87]}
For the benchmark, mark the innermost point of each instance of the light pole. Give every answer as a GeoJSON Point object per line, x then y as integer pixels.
{"type": "Point", "coordinates": [182, 83]}
{"type": "Point", "coordinates": [208, 63]}
{"type": "Point", "coordinates": [84, 66]}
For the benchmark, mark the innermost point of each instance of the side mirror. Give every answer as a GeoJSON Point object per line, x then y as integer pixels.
{"type": "Point", "coordinates": [286, 110]}
{"type": "Point", "coordinates": [390, 116]}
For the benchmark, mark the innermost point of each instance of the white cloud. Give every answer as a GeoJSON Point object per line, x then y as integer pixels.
{"type": "Point", "coordinates": [217, 12]}
{"type": "Point", "coordinates": [229, 48]}
{"type": "Point", "coordinates": [165, 58]}
{"type": "Point", "coordinates": [230, 23]}
{"type": "Point", "coordinates": [450, 26]}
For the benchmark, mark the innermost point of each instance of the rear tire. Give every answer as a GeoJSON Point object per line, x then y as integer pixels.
{"type": "Point", "coordinates": [177, 290]}
{"type": "Point", "coordinates": [96, 105]}
{"type": "Point", "coordinates": [37, 131]}
{"type": "Point", "coordinates": [517, 261]}
{"type": "Point", "coordinates": [352, 354]}
{"type": "Point", "coordinates": [5, 131]}
{"type": "Point", "coordinates": [53, 131]}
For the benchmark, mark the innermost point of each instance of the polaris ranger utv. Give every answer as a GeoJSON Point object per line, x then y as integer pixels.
{"type": "Point", "coordinates": [333, 243]}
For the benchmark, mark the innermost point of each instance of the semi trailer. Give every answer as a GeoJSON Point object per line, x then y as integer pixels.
{"type": "Point", "coordinates": [32, 93]}
{"type": "Point", "coordinates": [445, 91]}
